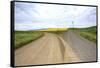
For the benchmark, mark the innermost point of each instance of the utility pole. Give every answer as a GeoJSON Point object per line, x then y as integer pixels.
{"type": "Point", "coordinates": [73, 25]}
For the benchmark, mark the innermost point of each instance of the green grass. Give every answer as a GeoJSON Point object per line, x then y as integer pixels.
{"type": "Point", "coordinates": [25, 37]}
{"type": "Point", "coordinates": [88, 33]}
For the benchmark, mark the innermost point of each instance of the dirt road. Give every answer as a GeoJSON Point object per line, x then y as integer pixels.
{"type": "Point", "coordinates": [83, 48]}
{"type": "Point", "coordinates": [49, 49]}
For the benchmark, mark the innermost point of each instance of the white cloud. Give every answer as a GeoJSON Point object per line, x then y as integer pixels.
{"type": "Point", "coordinates": [50, 15]}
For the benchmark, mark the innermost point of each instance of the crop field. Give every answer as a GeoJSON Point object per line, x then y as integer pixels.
{"type": "Point", "coordinates": [54, 29]}
{"type": "Point", "coordinates": [25, 37]}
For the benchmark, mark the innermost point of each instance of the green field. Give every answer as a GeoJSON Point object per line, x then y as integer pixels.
{"type": "Point", "coordinates": [25, 37]}
{"type": "Point", "coordinates": [88, 33]}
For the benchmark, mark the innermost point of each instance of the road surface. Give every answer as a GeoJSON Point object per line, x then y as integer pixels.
{"type": "Point", "coordinates": [84, 49]}
{"type": "Point", "coordinates": [51, 49]}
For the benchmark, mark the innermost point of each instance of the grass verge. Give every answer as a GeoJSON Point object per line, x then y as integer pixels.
{"type": "Point", "coordinates": [88, 36]}
{"type": "Point", "coordinates": [88, 33]}
{"type": "Point", "coordinates": [25, 37]}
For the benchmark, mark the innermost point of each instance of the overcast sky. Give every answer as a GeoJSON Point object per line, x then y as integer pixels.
{"type": "Point", "coordinates": [31, 16]}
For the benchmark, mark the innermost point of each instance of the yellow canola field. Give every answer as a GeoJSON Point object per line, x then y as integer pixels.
{"type": "Point", "coordinates": [54, 29]}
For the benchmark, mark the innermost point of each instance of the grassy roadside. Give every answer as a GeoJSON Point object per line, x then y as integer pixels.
{"type": "Point", "coordinates": [88, 33]}
{"type": "Point", "coordinates": [25, 37]}
{"type": "Point", "coordinates": [88, 36]}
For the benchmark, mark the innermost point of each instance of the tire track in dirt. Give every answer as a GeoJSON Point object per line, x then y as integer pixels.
{"type": "Point", "coordinates": [49, 49]}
